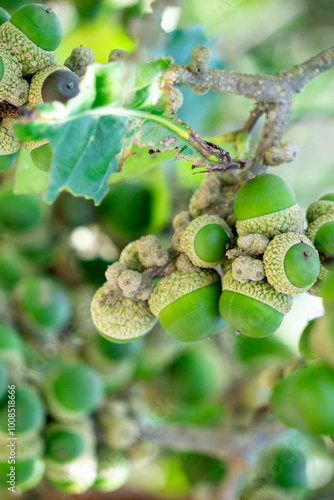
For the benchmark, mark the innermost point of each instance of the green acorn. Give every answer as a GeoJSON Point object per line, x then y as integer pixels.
{"type": "Point", "coordinates": [11, 349]}
{"type": "Point", "coordinates": [305, 399]}
{"type": "Point", "coordinates": [42, 157]}
{"type": "Point", "coordinates": [7, 161]}
{"type": "Point", "coordinates": [187, 305]}
{"type": "Point", "coordinates": [4, 380]}
{"type": "Point", "coordinates": [40, 24]}
{"type": "Point", "coordinates": [71, 465]}
{"type": "Point", "coordinates": [113, 470]}
{"type": "Point", "coordinates": [73, 392]}
{"type": "Point", "coordinates": [4, 16]}
{"type": "Point", "coordinates": [291, 263]}
{"type": "Point", "coordinates": [255, 309]}
{"type": "Point", "coordinates": [324, 206]}
{"type": "Point", "coordinates": [205, 240]}
{"type": "Point", "coordinates": [28, 474]}
{"type": "Point", "coordinates": [30, 57]}
{"type": "Point", "coordinates": [29, 414]}
{"type": "Point", "coordinates": [267, 204]}
{"type": "Point", "coordinates": [321, 233]}
{"type": "Point", "coordinates": [122, 320]}
{"type": "Point", "coordinates": [41, 85]}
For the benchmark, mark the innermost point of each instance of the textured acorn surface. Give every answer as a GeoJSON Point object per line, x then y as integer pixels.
{"type": "Point", "coordinates": [254, 308]}
{"type": "Point", "coordinates": [40, 24]}
{"type": "Point", "coordinates": [10, 72]}
{"type": "Point", "coordinates": [288, 269]}
{"type": "Point", "coordinates": [122, 320]}
{"type": "Point", "coordinates": [9, 144]}
{"type": "Point", "coordinates": [31, 57]}
{"type": "Point", "coordinates": [321, 207]}
{"type": "Point", "coordinates": [205, 239]}
{"type": "Point", "coordinates": [176, 285]}
{"type": "Point", "coordinates": [31, 145]}
{"type": "Point", "coordinates": [35, 92]}
{"type": "Point", "coordinates": [265, 194]}
{"type": "Point", "coordinates": [283, 221]}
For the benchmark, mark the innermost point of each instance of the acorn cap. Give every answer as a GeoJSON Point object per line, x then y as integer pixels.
{"type": "Point", "coordinates": [113, 470]}
{"type": "Point", "coordinates": [22, 49]}
{"type": "Point", "coordinates": [291, 263]}
{"type": "Point", "coordinates": [9, 144]}
{"type": "Point", "coordinates": [187, 304]}
{"type": "Point", "coordinates": [324, 206]}
{"type": "Point", "coordinates": [74, 391]}
{"type": "Point", "coordinates": [255, 309]}
{"type": "Point", "coordinates": [29, 414]}
{"type": "Point", "coordinates": [10, 74]}
{"type": "Point", "coordinates": [40, 24]}
{"type": "Point", "coordinates": [35, 92]}
{"type": "Point", "coordinates": [282, 221]}
{"type": "Point", "coordinates": [122, 320]}
{"type": "Point", "coordinates": [205, 239]}
{"type": "Point", "coordinates": [32, 145]}
{"type": "Point", "coordinates": [321, 233]}
{"type": "Point", "coordinates": [262, 195]}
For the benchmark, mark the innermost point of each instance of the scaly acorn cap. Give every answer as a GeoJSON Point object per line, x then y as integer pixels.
{"type": "Point", "coordinates": [122, 320]}
{"type": "Point", "coordinates": [324, 206]}
{"type": "Point", "coordinates": [205, 240]}
{"type": "Point", "coordinates": [31, 145]}
{"type": "Point", "coordinates": [283, 221]}
{"type": "Point", "coordinates": [31, 57]}
{"type": "Point", "coordinates": [35, 92]}
{"type": "Point", "coordinates": [291, 263]}
{"type": "Point", "coordinates": [9, 144]}
{"type": "Point", "coordinates": [321, 233]}
{"type": "Point", "coordinates": [10, 73]}
{"type": "Point", "coordinates": [255, 308]}
{"type": "Point", "coordinates": [187, 304]}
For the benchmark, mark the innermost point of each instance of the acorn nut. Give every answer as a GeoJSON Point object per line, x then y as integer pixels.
{"type": "Point", "coordinates": [321, 233]}
{"type": "Point", "coordinates": [267, 204]}
{"type": "Point", "coordinates": [324, 206]}
{"type": "Point", "coordinates": [291, 263]}
{"type": "Point", "coordinates": [205, 240]}
{"type": "Point", "coordinates": [255, 309]}
{"type": "Point", "coordinates": [187, 304]}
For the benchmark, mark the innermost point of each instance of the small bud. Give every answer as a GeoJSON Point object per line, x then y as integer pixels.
{"type": "Point", "coordinates": [245, 269]}
{"type": "Point", "coordinates": [150, 252]}
{"type": "Point", "coordinates": [200, 58]}
{"type": "Point", "coordinates": [253, 244]}
{"type": "Point", "coordinates": [284, 153]}
{"type": "Point", "coordinates": [118, 55]}
{"type": "Point", "coordinates": [80, 58]}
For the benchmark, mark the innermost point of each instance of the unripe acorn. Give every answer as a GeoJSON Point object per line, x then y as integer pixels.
{"type": "Point", "coordinates": [28, 474]}
{"type": "Point", "coordinates": [42, 157]}
{"type": "Point", "coordinates": [205, 240]}
{"type": "Point", "coordinates": [122, 320]}
{"type": "Point", "coordinates": [73, 392]}
{"type": "Point", "coordinates": [291, 263]}
{"type": "Point", "coordinates": [324, 206]}
{"type": "Point", "coordinates": [40, 24]}
{"type": "Point", "coordinates": [113, 470]}
{"type": "Point", "coordinates": [187, 305]}
{"type": "Point", "coordinates": [30, 57]}
{"type": "Point", "coordinates": [7, 161]}
{"type": "Point", "coordinates": [305, 346]}
{"type": "Point", "coordinates": [54, 83]}
{"type": "Point", "coordinates": [267, 204]}
{"type": "Point", "coordinates": [321, 233]}
{"type": "Point", "coordinates": [71, 465]}
{"type": "Point", "coordinates": [255, 309]}
{"type": "Point", "coordinates": [4, 380]}
{"type": "Point", "coordinates": [305, 399]}
{"type": "Point", "coordinates": [29, 414]}
{"type": "Point", "coordinates": [11, 348]}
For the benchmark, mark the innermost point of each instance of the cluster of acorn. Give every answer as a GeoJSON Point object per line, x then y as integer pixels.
{"type": "Point", "coordinates": [273, 260]}
{"type": "Point", "coordinates": [53, 433]}
{"type": "Point", "coordinates": [30, 75]}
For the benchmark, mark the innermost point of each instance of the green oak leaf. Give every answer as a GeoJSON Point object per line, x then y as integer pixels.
{"type": "Point", "coordinates": [119, 105]}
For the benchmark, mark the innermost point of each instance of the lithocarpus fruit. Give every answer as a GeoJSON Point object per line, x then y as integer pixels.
{"type": "Point", "coordinates": [305, 399]}
{"type": "Point", "coordinates": [255, 309]}
{"type": "Point", "coordinates": [324, 206]}
{"type": "Point", "coordinates": [187, 304]}
{"type": "Point", "coordinates": [205, 240]}
{"type": "Point", "coordinates": [291, 263]}
{"type": "Point", "coordinates": [321, 233]}
{"type": "Point", "coordinates": [267, 204]}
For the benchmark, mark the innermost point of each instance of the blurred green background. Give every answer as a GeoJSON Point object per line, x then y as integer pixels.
{"type": "Point", "coordinates": [71, 243]}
